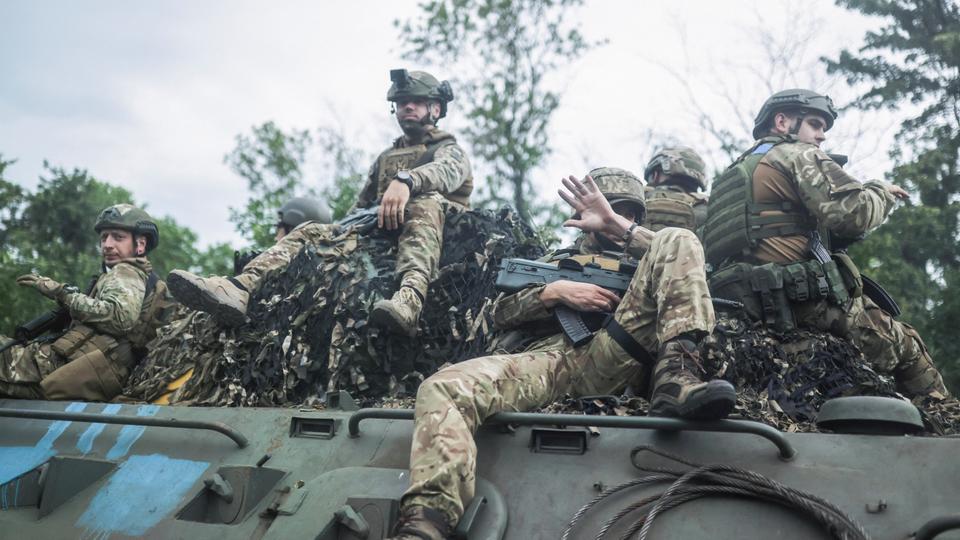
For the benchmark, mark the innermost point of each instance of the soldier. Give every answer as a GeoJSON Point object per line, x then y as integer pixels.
{"type": "Point", "coordinates": [110, 325]}
{"type": "Point", "coordinates": [667, 308]}
{"type": "Point", "coordinates": [676, 178]}
{"type": "Point", "coordinates": [770, 214]}
{"type": "Point", "coordinates": [297, 211]}
{"type": "Point", "coordinates": [416, 182]}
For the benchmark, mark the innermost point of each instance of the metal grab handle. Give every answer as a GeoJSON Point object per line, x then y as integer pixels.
{"type": "Point", "coordinates": [787, 452]}
{"type": "Point", "coordinates": [935, 526]}
{"type": "Point", "coordinates": [93, 418]}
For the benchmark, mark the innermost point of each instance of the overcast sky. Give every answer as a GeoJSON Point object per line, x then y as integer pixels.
{"type": "Point", "coordinates": [150, 96]}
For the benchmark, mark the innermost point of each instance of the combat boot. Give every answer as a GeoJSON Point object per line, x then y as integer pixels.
{"type": "Point", "coordinates": [421, 523]}
{"type": "Point", "coordinates": [218, 296]}
{"type": "Point", "coordinates": [678, 389]}
{"type": "Point", "coordinates": [400, 313]}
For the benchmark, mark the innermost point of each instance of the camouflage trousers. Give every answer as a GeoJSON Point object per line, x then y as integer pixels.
{"type": "Point", "coordinates": [418, 247]}
{"type": "Point", "coordinates": [888, 345]}
{"type": "Point", "coordinates": [22, 367]}
{"type": "Point", "coordinates": [667, 297]}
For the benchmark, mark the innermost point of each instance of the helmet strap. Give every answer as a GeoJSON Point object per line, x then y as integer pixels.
{"type": "Point", "coordinates": [795, 128]}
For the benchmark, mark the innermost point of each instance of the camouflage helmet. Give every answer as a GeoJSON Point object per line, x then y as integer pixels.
{"type": "Point", "coordinates": [419, 85]}
{"type": "Point", "coordinates": [300, 209]}
{"type": "Point", "coordinates": [795, 99]}
{"type": "Point", "coordinates": [678, 161]}
{"type": "Point", "coordinates": [128, 217]}
{"type": "Point", "coordinates": [619, 185]}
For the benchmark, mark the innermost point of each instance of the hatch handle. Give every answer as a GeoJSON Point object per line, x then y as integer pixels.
{"type": "Point", "coordinates": [150, 421]}
{"type": "Point", "coordinates": [786, 451]}
{"type": "Point", "coordinates": [935, 526]}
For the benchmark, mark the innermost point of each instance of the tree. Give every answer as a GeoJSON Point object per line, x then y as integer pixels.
{"type": "Point", "coordinates": [271, 161]}
{"type": "Point", "coordinates": [345, 164]}
{"type": "Point", "coordinates": [504, 51]}
{"type": "Point", "coordinates": [914, 61]}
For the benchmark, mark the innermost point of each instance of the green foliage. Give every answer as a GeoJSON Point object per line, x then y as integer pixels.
{"type": "Point", "coordinates": [347, 166]}
{"type": "Point", "coordinates": [915, 59]}
{"type": "Point", "coordinates": [271, 162]}
{"type": "Point", "coordinates": [50, 232]}
{"type": "Point", "coordinates": [506, 49]}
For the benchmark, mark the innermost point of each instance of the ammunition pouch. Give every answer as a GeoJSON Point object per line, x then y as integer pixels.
{"type": "Point", "coordinates": [850, 274]}
{"type": "Point", "coordinates": [768, 291]}
{"type": "Point", "coordinates": [97, 365]}
{"type": "Point", "coordinates": [72, 340]}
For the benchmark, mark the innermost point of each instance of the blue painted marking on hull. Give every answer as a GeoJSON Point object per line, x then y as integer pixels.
{"type": "Point", "coordinates": [18, 460]}
{"type": "Point", "coordinates": [130, 434]}
{"type": "Point", "coordinates": [85, 444]}
{"type": "Point", "coordinates": [143, 491]}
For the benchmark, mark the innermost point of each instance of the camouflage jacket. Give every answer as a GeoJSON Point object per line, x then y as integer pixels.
{"type": "Point", "coordinates": [522, 307]}
{"type": "Point", "coordinates": [797, 172]}
{"type": "Point", "coordinates": [447, 173]}
{"type": "Point", "coordinates": [117, 305]}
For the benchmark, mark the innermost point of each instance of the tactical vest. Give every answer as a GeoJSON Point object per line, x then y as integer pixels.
{"type": "Point", "coordinates": [410, 157]}
{"type": "Point", "coordinates": [734, 222]}
{"type": "Point", "coordinates": [671, 208]}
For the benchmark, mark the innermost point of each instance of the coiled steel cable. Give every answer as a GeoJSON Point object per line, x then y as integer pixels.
{"type": "Point", "coordinates": [711, 481]}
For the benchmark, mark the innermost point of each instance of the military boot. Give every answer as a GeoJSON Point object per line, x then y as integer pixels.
{"type": "Point", "coordinates": [400, 313]}
{"type": "Point", "coordinates": [678, 389]}
{"type": "Point", "coordinates": [421, 523]}
{"type": "Point", "coordinates": [220, 297]}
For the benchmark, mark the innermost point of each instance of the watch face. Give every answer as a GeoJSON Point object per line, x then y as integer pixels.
{"type": "Point", "coordinates": [403, 175]}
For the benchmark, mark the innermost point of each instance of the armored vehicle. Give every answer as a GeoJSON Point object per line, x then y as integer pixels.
{"type": "Point", "coordinates": [109, 470]}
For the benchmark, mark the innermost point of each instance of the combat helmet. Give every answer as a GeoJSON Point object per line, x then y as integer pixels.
{"type": "Point", "coordinates": [300, 209]}
{"type": "Point", "coordinates": [128, 217]}
{"type": "Point", "coordinates": [419, 85]}
{"type": "Point", "coordinates": [678, 161]}
{"type": "Point", "coordinates": [619, 185]}
{"type": "Point", "coordinates": [795, 99]}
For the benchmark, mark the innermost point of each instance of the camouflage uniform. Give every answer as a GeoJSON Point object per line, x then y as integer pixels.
{"type": "Point", "coordinates": [673, 199]}
{"type": "Point", "coordinates": [109, 329]}
{"type": "Point", "coordinates": [441, 185]}
{"type": "Point", "coordinates": [797, 188]}
{"type": "Point", "coordinates": [667, 297]}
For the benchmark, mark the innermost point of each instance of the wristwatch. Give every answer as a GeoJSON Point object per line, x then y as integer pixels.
{"type": "Point", "coordinates": [404, 176]}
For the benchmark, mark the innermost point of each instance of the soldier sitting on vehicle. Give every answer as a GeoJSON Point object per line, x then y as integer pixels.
{"type": "Point", "coordinates": [770, 221]}
{"type": "Point", "coordinates": [656, 325]}
{"type": "Point", "coordinates": [108, 325]}
{"type": "Point", "coordinates": [676, 180]}
{"type": "Point", "coordinates": [416, 182]}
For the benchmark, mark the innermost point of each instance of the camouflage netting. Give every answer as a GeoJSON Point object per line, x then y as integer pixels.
{"type": "Point", "coordinates": [782, 379]}
{"type": "Point", "coordinates": [307, 333]}
{"type": "Point", "coordinates": [307, 337]}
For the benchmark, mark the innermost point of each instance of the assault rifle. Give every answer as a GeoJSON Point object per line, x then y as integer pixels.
{"type": "Point", "coordinates": [51, 322]}
{"type": "Point", "coordinates": [517, 274]}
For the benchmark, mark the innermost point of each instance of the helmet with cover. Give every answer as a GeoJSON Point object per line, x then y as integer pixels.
{"type": "Point", "coordinates": [409, 85]}
{"type": "Point", "coordinates": [129, 218]}
{"type": "Point", "coordinates": [681, 161]}
{"type": "Point", "coordinates": [620, 185]}
{"type": "Point", "coordinates": [797, 100]}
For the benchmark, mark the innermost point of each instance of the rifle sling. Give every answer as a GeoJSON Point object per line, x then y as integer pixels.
{"type": "Point", "coordinates": [628, 343]}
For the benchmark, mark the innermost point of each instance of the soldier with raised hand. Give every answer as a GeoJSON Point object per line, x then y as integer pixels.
{"type": "Point", "coordinates": [676, 181]}
{"type": "Point", "coordinates": [771, 217]}
{"type": "Point", "coordinates": [656, 325]}
{"type": "Point", "coordinates": [423, 176]}
{"type": "Point", "coordinates": [110, 324]}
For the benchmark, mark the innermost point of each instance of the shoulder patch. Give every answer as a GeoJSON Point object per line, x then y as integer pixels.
{"type": "Point", "coordinates": [763, 148]}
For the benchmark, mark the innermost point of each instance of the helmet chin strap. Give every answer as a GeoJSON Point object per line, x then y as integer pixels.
{"type": "Point", "coordinates": [795, 128]}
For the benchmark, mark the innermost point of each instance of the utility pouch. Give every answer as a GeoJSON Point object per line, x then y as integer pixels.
{"type": "Point", "coordinates": [838, 294]}
{"type": "Point", "coordinates": [766, 281]}
{"type": "Point", "coordinates": [733, 283]}
{"type": "Point", "coordinates": [69, 342]}
{"type": "Point", "coordinates": [795, 282]}
{"type": "Point", "coordinates": [850, 274]}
